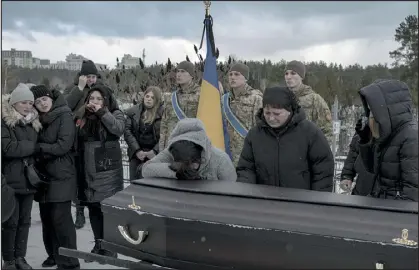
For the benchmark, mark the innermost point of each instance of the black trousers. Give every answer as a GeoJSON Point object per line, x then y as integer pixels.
{"type": "Point", "coordinates": [58, 231]}
{"type": "Point", "coordinates": [15, 231]}
{"type": "Point", "coordinates": [96, 219]}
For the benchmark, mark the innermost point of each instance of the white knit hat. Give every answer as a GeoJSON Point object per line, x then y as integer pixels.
{"type": "Point", "coordinates": [21, 93]}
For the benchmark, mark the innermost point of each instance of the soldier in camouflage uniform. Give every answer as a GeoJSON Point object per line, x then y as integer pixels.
{"type": "Point", "coordinates": [315, 107]}
{"type": "Point", "coordinates": [244, 102]}
{"type": "Point", "coordinates": [188, 97]}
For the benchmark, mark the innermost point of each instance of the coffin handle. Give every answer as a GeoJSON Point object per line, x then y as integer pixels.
{"type": "Point", "coordinates": [141, 235]}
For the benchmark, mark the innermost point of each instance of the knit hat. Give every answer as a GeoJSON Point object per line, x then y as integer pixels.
{"type": "Point", "coordinates": [88, 68]}
{"type": "Point", "coordinates": [187, 66]}
{"type": "Point", "coordinates": [297, 67]}
{"type": "Point", "coordinates": [281, 97]}
{"type": "Point", "coordinates": [242, 68]}
{"type": "Point", "coordinates": [21, 93]}
{"type": "Point", "coordinates": [40, 91]}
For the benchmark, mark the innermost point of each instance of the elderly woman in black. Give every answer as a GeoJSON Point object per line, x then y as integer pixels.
{"type": "Point", "coordinates": [19, 133]}
{"type": "Point", "coordinates": [57, 163]}
{"type": "Point", "coordinates": [100, 124]}
{"type": "Point", "coordinates": [142, 130]}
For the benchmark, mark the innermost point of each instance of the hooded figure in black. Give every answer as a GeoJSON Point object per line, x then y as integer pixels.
{"type": "Point", "coordinates": [388, 142]}
{"type": "Point", "coordinates": [55, 159]}
{"type": "Point", "coordinates": [284, 149]}
{"type": "Point", "coordinates": [100, 124]}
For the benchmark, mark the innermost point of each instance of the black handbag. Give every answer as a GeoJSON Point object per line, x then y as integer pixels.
{"type": "Point", "coordinates": [35, 178]}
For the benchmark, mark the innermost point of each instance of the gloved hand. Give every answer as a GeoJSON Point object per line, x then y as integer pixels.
{"type": "Point", "coordinates": [363, 131]}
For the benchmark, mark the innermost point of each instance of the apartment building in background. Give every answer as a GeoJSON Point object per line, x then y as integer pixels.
{"type": "Point", "coordinates": [128, 61]}
{"type": "Point", "coordinates": [20, 58]}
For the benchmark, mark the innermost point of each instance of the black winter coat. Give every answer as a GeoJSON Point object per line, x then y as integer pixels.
{"type": "Point", "coordinates": [55, 143]}
{"type": "Point", "coordinates": [18, 142]}
{"type": "Point", "coordinates": [353, 166]}
{"type": "Point", "coordinates": [393, 158]}
{"type": "Point", "coordinates": [134, 127]}
{"type": "Point", "coordinates": [298, 156]}
{"type": "Point", "coordinates": [8, 200]}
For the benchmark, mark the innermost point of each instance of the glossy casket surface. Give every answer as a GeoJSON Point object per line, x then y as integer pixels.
{"type": "Point", "coordinates": [227, 225]}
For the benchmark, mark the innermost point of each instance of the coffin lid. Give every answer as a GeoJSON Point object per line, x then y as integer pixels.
{"type": "Point", "coordinates": [237, 189]}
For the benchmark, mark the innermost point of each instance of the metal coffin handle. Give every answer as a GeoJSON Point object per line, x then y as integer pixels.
{"type": "Point", "coordinates": [141, 235]}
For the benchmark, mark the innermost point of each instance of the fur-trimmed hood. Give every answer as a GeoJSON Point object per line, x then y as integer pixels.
{"type": "Point", "coordinates": [11, 117]}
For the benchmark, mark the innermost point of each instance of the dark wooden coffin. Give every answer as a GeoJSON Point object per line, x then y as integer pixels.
{"type": "Point", "coordinates": [227, 225]}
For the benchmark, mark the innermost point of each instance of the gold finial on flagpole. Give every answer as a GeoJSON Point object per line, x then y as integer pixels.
{"type": "Point", "coordinates": [207, 6]}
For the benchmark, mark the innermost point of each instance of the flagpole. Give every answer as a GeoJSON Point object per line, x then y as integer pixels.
{"type": "Point", "coordinates": [207, 6]}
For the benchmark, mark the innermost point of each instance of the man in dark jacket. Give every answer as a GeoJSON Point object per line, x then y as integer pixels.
{"type": "Point", "coordinates": [88, 77]}
{"type": "Point", "coordinates": [284, 148]}
{"type": "Point", "coordinates": [391, 153]}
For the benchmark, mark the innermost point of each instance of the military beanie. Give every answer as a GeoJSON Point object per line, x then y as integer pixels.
{"type": "Point", "coordinates": [242, 68]}
{"type": "Point", "coordinates": [298, 67]}
{"type": "Point", "coordinates": [188, 67]}
{"type": "Point", "coordinates": [40, 91]}
{"type": "Point", "coordinates": [21, 93]}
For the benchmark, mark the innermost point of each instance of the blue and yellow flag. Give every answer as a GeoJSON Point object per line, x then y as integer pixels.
{"type": "Point", "coordinates": [209, 106]}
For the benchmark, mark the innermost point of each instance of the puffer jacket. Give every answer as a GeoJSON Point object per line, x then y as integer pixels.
{"type": "Point", "coordinates": [295, 156]}
{"type": "Point", "coordinates": [393, 157]}
{"type": "Point", "coordinates": [18, 141]}
{"type": "Point", "coordinates": [55, 143]}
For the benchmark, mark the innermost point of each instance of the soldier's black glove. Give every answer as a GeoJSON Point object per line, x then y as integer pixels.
{"type": "Point", "coordinates": [363, 130]}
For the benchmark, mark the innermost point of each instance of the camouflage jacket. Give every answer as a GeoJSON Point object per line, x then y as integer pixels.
{"type": "Point", "coordinates": [316, 109]}
{"type": "Point", "coordinates": [245, 105]}
{"type": "Point", "coordinates": [188, 101]}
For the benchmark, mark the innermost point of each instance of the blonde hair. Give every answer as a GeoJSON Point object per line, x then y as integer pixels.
{"type": "Point", "coordinates": [150, 115]}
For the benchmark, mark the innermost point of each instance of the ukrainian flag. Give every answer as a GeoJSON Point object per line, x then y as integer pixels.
{"type": "Point", "coordinates": [209, 106]}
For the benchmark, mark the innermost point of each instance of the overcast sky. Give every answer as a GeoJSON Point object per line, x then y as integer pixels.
{"type": "Point", "coordinates": [341, 32]}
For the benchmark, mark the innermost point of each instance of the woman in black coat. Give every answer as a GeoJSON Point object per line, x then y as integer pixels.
{"type": "Point", "coordinates": [57, 163]}
{"type": "Point", "coordinates": [285, 149]}
{"type": "Point", "coordinates": [142, 130]}
{"type": "Point", "coordinates": [388, 142]}
{"type": "Point", "coordinates": [99, 124]}
{"type": "Point", "coordinates": [19, 133]}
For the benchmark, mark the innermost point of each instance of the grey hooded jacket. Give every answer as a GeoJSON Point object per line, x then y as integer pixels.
{"type": "Point", "coordinates": [216, 165]}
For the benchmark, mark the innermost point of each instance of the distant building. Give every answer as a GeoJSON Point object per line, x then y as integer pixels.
{"type": "Point", "coordinates": [129, 61]}
{"type": "Point", "coordinates": [17, 58]}
{"type": "Point", "coordinates": [74, 62]}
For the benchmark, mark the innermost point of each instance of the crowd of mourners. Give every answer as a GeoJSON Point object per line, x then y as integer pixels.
{"type": "Point", "coordinates": [59, 148]}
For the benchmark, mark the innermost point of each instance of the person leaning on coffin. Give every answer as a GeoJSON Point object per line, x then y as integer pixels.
{"type": "Point", "coordinates": [142, 130]}
{"type": "Point", "coordinates": [388, 143]}
{"type": "Point", "coordinates": [99, 125]}
{"type": "Point", "coordinates": [285, 149]}
{"type": "Point", "coordinates": [190, 156]}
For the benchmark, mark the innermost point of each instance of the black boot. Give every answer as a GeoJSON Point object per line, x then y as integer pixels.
{"type": "Point", "coordinates": [21, 263]}
{"type": "Point", "coordinates": [49, 262]}
{"type": "Point", "coordinates": [80, 219]}
{"type": "Point", "coordinates": [9, 265]}
{"type": "Point", "coordinates": [95, 250]}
